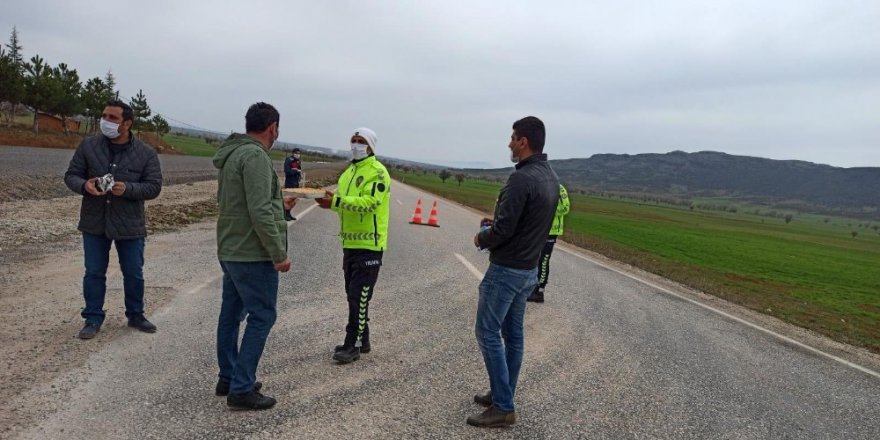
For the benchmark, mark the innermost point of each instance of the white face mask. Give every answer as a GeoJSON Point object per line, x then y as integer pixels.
{"type": "Point", "coordinates": [110, 129]}
{"type": "Point", "coordinates": [358, 151]}
{"type": "Point", "coordinates": [274, 139]}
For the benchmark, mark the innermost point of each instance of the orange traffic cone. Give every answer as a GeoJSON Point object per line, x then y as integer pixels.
{"type": "Point", "coordinates": [432, 220]}
{"type": "Point", "coordinates": [417, 215]}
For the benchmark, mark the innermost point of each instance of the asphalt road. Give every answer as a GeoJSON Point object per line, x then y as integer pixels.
{"type": "Point", "coordinates": [607, 356]}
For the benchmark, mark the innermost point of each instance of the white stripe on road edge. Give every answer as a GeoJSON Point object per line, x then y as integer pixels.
{"type": "Point", "coordinates": [724, 314]}
{"type": "Point", "coordinates": [203, 285]}
{"type": "Point", "coordinates": [302, 214]}
{"type": "Point", "coordinates": [469, 266]}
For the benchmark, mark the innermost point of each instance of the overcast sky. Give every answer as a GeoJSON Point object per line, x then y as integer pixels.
{"type": "Point", "coordinates": [442, 81]}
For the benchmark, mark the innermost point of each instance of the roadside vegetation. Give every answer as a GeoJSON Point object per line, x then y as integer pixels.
{"type": "Point", "coordinates": [818, 272]}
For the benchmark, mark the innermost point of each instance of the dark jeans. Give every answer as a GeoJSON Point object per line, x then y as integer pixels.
{"type": "Point", "coordinates": [97, 257]}
{"type": "Point", "coordinates": [500, 314]}
{"type": "Point", "coordinates": [361, 268]}
{"type": "Point", "coordinates": [249, 289]}
{"type": "Point", "coordinates": [544, 265]}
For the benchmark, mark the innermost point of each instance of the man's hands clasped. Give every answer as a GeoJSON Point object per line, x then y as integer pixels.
{"type": "Point", "coordinates": [118, 188]}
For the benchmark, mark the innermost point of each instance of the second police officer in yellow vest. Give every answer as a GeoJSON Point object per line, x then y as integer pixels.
{"type": "Point", "coordinates": [562, 209]}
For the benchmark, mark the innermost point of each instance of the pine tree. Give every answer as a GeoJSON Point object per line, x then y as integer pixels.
{"type": "Point", "coordinates": [68, 100]}
{"type": "Point", "coordinates": [94, 98]}
{"type": "Point", "coordinates": [142, 111]}
{"type": "Point", "coordinates": [161, 125]}
{"type": "Point", "coordinates": [12, 75]}
{"type": "Point", "coordinates": [110, 82]}
{"type": "Point", "coordinates": [15, 49]}
{"type": "Point", "coordinates": [41, 87]}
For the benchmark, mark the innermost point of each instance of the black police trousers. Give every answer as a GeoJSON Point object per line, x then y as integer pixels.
{"type": "Point", "coordinates": [361, 269]}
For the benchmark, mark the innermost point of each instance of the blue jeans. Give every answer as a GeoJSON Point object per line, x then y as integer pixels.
{"type": "Point", "coordinates": [131, 260]}
{"type": "Point", "coordinates": [249, 289]}
{"type": "Point", "coordinates": [500, 313]}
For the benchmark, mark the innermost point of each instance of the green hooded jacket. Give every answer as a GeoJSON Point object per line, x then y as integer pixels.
{"type": "Point", "coordinates": [562, 209]}
{"type": "Point", "coordinates": [251, 225]}
{"type": "Point", "coordinates": [362, 202]}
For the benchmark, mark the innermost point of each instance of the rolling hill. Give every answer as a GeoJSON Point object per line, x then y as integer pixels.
{"type": "Point", "coordinates": [793, 184]}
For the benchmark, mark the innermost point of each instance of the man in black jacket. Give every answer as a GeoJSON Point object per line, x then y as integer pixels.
{"type": "Point", "coordinates": [523, 215]}
{"type": "Point", "coordinates": [114, 214]}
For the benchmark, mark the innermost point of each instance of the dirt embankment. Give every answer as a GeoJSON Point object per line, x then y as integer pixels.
{"type": "Point", "coordinates": [23, 137]}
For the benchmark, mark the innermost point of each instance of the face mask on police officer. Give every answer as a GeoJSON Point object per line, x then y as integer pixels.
{"type": "Point", "coordinates": [358, 151]}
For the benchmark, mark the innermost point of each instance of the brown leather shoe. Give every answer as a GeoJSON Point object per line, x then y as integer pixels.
{"type": "Point", "coordinates": [484, 400]}
{"type": "Point", "coordinates": [492, 418]}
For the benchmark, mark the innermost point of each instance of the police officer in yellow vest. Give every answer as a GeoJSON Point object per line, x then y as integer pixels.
{"type": "Point", "coordinates": [562, 209]}
{"type": "Point", "coordinates": [362, 203]}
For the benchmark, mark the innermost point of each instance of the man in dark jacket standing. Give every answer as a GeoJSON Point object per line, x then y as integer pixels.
{"type": "Point", "coordinates": [115, 214]}
{"type": "Point", "coordinates": [252, 249]}
{"type": "Point", "coordinates": [523, 214]}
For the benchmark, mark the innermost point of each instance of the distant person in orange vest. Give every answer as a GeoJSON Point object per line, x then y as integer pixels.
{"type": "Point", "coordinates": [562, 209]}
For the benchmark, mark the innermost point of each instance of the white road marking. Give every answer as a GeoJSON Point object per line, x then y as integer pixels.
{"type": "Point", "coordinates": [302, 214]}
{"type": "Point", "coordinates": [204, 285]}
{"type": "Point", "coordinates": [399, 202]}
{"type": "Point", "coordinates": [469, 266]}
{"type": "Point", "coordinates": [725, 314]}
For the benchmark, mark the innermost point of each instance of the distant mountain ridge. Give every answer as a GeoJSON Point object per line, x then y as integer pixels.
{"type": "Point", "coordinates": [787, 183]}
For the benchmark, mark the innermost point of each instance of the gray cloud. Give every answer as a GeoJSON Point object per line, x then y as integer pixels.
{"type": "Point", "coordinates": [443, 81]}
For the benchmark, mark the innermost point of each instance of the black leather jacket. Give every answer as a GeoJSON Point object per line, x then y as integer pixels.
{"type": "Point", "coordinates": [523, 215]}
{"type": "Point", "coordinates": [136, 164]}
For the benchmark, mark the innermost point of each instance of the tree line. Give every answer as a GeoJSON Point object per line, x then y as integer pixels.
{"type": "Point", "coordinates": [58, 91]}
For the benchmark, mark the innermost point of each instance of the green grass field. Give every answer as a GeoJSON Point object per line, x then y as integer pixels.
{"type": "Point", "coordinates": [196, 146]}
{"type": "Point", "coordinates": [809, 272]}
{"type": "Point", "coordinates": [190, 145]}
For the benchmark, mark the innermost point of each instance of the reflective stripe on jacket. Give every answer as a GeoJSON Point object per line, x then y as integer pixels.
{"type": "Point", "coordinates": [362, 203]}
{"type": "Point", "coordinates": [562, 209]}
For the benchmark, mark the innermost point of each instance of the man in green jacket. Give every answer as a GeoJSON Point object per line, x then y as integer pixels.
{"type": "Point", "coordinates": [562, 209]}
{"type": "Point", "coordinates": [252, 248]}
{"type": "Point", "coordinates": [362, 203]}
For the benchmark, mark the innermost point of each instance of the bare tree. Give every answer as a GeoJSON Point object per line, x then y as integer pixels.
{"type": "Point", "coordinates": [460, 178]}
{"type": "Point", "coordinates": [444, 174]}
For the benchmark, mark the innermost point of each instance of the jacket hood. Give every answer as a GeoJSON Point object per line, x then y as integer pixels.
{"type": "Point", "coordinates": [229, 146]}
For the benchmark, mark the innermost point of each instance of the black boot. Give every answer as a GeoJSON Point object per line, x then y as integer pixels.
{"type": "Point", "coordinates": [483, 399]}
{"type": "Point", "coordinates": [492, 418]}
{"type": "Point", "coordinates": [536, 296]}
{"type": "Point", "coordinates": [253, 400]}
{"type": "Point", "coordinates": [365, 347]}
{"type": "Point", "coordinates": [347, 354]}
{"type": "Point", "coordinates": [365, 341]}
